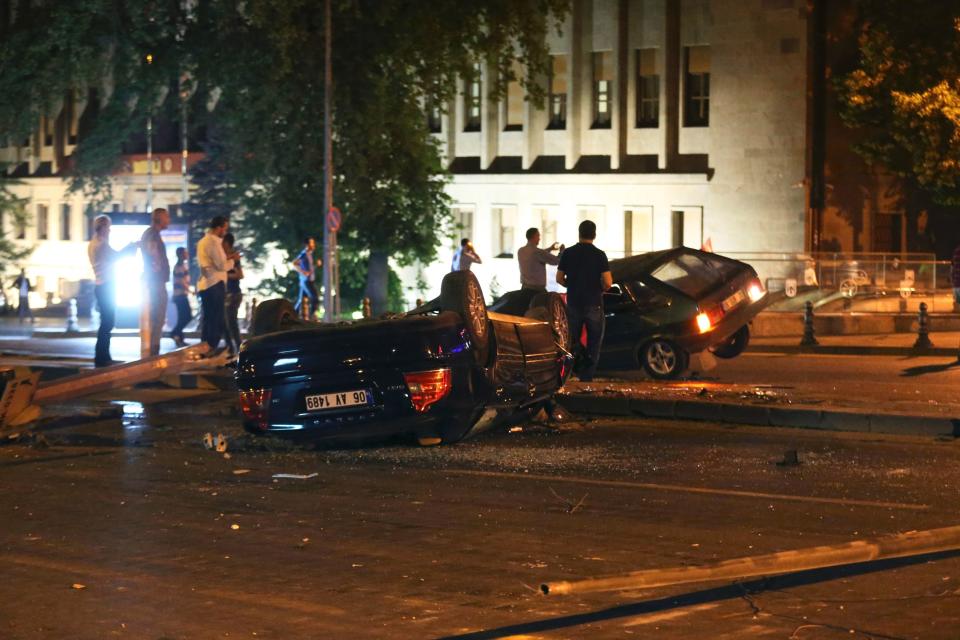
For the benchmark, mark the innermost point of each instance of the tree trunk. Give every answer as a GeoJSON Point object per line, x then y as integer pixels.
{"type": "Point", "coordinates": [378, 274]}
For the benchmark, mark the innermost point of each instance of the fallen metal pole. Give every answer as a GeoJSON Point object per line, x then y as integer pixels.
{"type": "Point", "coordinates": [122, 375]}
{"type": "Point", "coordinates": [912, 543]}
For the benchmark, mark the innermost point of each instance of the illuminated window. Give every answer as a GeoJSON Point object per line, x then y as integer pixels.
{"type": "Point", "coordinates": [43, 222]}
{"type": "Point", "coordinates": [463, 222]}
{"type": "Point", "coordinates": [637, 230]}
{"type": "Point", "coordinates": [557, 98]}
{"type": "Point", "coordinates": [648, 89]}
{"type": "Point", "coordinates": [473, 90]}
{"type": "Point", "coordinates": [514, 101]}
{"type": "Point", "coordinates": [696, 102]}
{"type": "Point", "coordinates": [504, 228]}
{"type": "Point", "coordinates": [602, 84]}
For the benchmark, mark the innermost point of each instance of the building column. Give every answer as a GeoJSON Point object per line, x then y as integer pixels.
{"type": "Point", "coordinates": [621, 66]}
{"type": "Point", "coordinates": [671, 104]}
{"type": "Point", "coordinates": [575, 87]}
{"type": "Point", "coordinates": [534, 124]}
{"type": "Point", "coordinates": [489, 119]}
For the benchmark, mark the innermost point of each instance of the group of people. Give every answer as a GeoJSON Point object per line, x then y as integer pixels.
{"type": "Point", "coordinates": [218, 286]}
{"type": "Point", "coordinates": [583, 269]}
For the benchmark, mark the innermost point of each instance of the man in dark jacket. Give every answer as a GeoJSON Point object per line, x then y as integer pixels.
{"type": "Point", "coordinates": [585, 271]}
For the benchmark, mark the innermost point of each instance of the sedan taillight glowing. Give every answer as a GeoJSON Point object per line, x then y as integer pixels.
{"type": "Point", "coordinates": [255, 405]}
{"type": "Point", "coordinates": [703, 323]}
{"type": "Point", "coordinates": [428, 387]}
{"type": "Point", "coordinates": [755, 291]}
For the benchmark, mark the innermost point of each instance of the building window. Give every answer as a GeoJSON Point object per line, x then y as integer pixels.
{"type": "Point", "coordinates": [513, 110]}
{"type": "Point", "coordinates": [549, 225]}
{"type": "Point", "coordinates": [434, 124]}
{"type": "Point", "coordinates": [43, 222]}
{"type": "Point", "coordinates": [48, 125]}
{"type": "Point", "coordinates": [637, 230]}
{"type": "Point", "coordinates": [696, 102]}
{"type": "Point", "coordinates": [504, 231]}
{"type": "Point", "coordinates": [472, 95]}
{"type": "Point", "coordinates": [20, 226]}
{"type": "Point", "coordinates": [64, 221]}
{"type": "Point", "coordinates": [72, 120]}
{"type": "Point", "coordinates": [557, 97]}
{"type": "Point", "coordinates": [602, 84]}
{"type": "Point", "coordinates": [597, 214]}
{"type": "Point", "coordinates": [648, 90]}
{"type": "Point", "coordinates": [463, 222]}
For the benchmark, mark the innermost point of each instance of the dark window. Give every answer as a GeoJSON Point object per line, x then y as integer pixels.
{"type": "Point", "coordinates": [696, 102]}
{"type": "Point", "coordinates": [514, 101]}
{"type": "Point", "coordinates": [557, 98]}
{"type": "Point", "coordinates": [472, 94]}
{"type": "Point", "coordinates": [433, 117]}
{"type": "Point", "coordinates": [65, 222]}
{"type": "Point", "coordinates": [648, 89]}
{"type": "Point", "coordinates": [21, 227]}
{"type": "Point", "coordinates": [48, 131]}
{"type": "Point", "coordinates": [602, 81]}
{"type": "Point", "coordinates": [42, 221]}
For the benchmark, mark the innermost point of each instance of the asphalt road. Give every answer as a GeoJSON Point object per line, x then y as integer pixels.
{"type": "Point", "coordinates": [133, 530]}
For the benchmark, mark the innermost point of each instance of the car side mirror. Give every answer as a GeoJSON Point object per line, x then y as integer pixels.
{"type": "Point", "coordinates": [615, 291]}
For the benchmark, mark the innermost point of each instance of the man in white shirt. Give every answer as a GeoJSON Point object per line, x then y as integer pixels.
{"type": "Point", "coordinates": [465, 257]}
{"type": "Point", "coordinates": [534, 260]}
{"type": "Point", "coordinates": [214, 264]}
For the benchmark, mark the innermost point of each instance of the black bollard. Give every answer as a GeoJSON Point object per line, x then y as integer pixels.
{"type": "Point", "coordinates": [808, 339]}
{"type": "Point", "coordinates": [923, 329]}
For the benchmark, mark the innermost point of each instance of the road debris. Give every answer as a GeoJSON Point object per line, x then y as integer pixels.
{"type": "Point", "coordinates": [296, 476]}
{"type": "Point", "coordinates": [240, 472]}
{"type": "Point", "coordinates": [571, 507]}
{"type": "Point", "coordinates": [790, 459]}
{"type": "Point", "coordinates": [78, 586]}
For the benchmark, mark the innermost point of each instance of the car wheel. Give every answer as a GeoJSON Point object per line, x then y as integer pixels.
{"type": "Point", "coordinates": [663, 359]}
{"type": "Point", "coordinates": [551, 308]}
{"type": "Point", "coordinates": [734, 345]}
{"type": "Point", "coordinates": [274, 315]}
{"type": "Point", "coordinates": [461, 293]}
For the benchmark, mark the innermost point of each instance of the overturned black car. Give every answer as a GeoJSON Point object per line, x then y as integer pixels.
{"type": "Point", "coordinates": [438, 373]}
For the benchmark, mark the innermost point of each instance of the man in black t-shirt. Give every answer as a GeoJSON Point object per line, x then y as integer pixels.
{"type": "Point", "coordinates": [585, 271]}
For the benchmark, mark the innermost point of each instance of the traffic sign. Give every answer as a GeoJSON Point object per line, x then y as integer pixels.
{"type": "Point", "coordinates": [334, 219]}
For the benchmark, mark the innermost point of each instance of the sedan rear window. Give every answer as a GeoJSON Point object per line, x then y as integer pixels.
{"type": "Point", "coordinates": [694, 275]}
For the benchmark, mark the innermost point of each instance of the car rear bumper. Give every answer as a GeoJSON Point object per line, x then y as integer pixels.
{"type": "Point", "coordinates": [695, 342]}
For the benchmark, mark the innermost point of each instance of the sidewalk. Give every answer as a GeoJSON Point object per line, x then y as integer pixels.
{"type": "Point", "coordinates": [892, 344]}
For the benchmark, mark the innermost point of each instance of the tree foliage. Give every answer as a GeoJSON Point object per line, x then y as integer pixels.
{"type": "Point", "coordinates": [904, 94]}
{"type": "Point", "coordinates": [13, 215]}
{"type": "Point", "coordinates": [253, 73]}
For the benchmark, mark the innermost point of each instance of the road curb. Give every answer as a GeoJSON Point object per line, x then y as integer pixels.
{"type": "Point", "coordinates": [763, 415]}
{"type": "Point", "coordinates": [850, 350]}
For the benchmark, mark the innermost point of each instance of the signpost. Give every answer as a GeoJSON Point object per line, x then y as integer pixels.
{"type": "Point", "coordinates": [330, 281]}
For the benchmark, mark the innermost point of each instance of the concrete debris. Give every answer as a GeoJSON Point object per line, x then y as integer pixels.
{"type": "Point", "coordinates": [296, 476]}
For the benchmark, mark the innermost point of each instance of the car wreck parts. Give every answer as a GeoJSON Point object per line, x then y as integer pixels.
{"type": "Point", "coordinates": [440, 372]}
{"type": "Point", "coordinates": [912, 543]}
{"type": "Point", "coordinates": [23, 395]}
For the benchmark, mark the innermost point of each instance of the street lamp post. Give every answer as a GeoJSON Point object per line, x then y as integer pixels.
{"type": "Point", "coordinates": [329, 235]}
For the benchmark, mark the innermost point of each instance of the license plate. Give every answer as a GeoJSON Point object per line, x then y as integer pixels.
{"type": "Point", "coordinates": [341, 400]}
{"type": "Point", "coordinates": [733, 300]}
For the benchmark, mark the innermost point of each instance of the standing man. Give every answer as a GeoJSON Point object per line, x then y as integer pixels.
{"type": "Point", "coordinates": [465, 257]}
{"type": "Point", "coordinates": [23, 287]}
{"type": "Point", "coordinates": [534, 260]}
{"type": "Point", "coordinates": [181, 289]}
{"type": "Point", "coordinates": [214, 264]}
{"type": "Point", "coordinates": [306, 268]}
{"type": "Point", "coordinates": [156, 273]}
{"type": "Point", "coordinates": [234, 296]}
{"type": "Point", "coordinates": [585, 271]}
{"type": "Point", "coordinates": [103, 257]}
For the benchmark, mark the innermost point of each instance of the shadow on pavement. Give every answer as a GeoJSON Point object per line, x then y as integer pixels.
{"type": "Point", "coordinates": [727, 592]}
{"type": "Point", "coordinates": [910, 372]}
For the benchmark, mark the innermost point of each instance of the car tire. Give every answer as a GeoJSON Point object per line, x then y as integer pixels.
{"type": "Point", "coordinates": [663, 359]}
{"type": "Point", "coordinates": [735, 344]}
{"type": "Point", "coordinates": [273, 315]}
{"type": "Point", "coordinates": [460, 292]}
{"type": "Point", "coordinates": [551, 308]}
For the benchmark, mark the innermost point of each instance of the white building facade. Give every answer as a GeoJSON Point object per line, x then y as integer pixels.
{"type": "Point", "coordinates": [667, 122]}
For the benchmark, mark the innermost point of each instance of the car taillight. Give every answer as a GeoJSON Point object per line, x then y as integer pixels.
{"type": "Point", "coordinates": [755, 291]}
{"type": "Point", "coordinates": [427, 387]}
{"type": "Point", "coordinates": [255, 405]}
{"type": "Point", "coordinates": [703, 323]}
